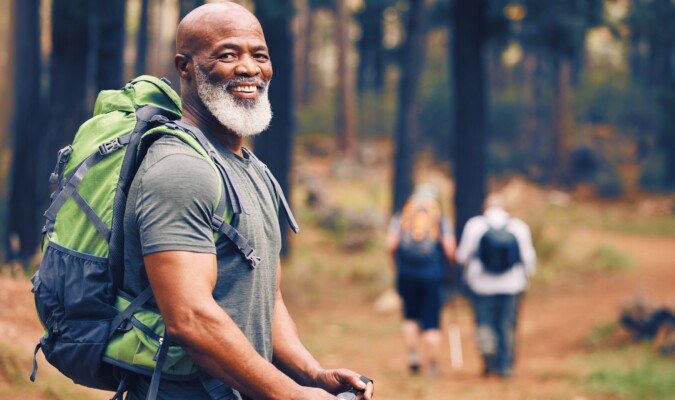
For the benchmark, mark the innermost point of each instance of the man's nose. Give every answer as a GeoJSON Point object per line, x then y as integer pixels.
{"type": "Point", "coordinates": [247, 66]}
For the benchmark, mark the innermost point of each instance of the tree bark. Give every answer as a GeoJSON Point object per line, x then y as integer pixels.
{"type": "Point", "coordinates": [70, 78]}
{"type": "Point", "coordinates": [408, 100]}
{"type": "Point", "coordinates": [346, 115]}
{"type": "Point", "coordinates": [23, 216]}
{"type": "Point", "coordinates": [275, 147]}
{"type": "Point", "coordinates": [302, 31]}
{"type": "Point", "coordinates": [470, 108]}
{"type": "Point", "coordinates": [110, 21]}
{"type": "Point", "coordinates": [371, 50]}
{"type": "Point", "coordinates": [68, 87]}
{"type": "Point", "coordinates": [142, 40]}
{"type": "Point", "coordinates": [563, 122]}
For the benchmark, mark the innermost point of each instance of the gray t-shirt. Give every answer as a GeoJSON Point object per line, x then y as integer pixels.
{"type": "Point", "coordinates": [170, 205]}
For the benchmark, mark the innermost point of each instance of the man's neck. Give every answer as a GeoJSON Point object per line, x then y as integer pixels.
{"type": "Point", "coordinates": [204, 120]}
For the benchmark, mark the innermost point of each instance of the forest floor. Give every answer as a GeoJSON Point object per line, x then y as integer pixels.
{"type": "Point", "coordinates": [568, 338]}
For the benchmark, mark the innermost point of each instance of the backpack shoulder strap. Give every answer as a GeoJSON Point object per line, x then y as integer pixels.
{"type": "Point", "coordinates": [277, 188]}
{"type": "Point", "coordinates": [228, 185]}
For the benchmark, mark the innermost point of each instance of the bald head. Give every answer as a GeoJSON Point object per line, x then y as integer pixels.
{"type": "Point", "coordinates": [205, 24]}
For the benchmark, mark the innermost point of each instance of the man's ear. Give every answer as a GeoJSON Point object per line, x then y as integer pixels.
{"type": "Point", "coordinates": [183, 65]}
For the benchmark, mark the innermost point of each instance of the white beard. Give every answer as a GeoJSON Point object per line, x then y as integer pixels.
{"type": "Point", "coordinates": [245, 117]}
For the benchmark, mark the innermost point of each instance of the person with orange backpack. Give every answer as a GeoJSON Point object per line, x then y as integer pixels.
{"type": "Point", "coordinates": [422, 244]}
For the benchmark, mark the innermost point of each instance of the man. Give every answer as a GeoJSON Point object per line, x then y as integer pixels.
{"type": "Point", "coordinates": [228, 316]}
{"type": "Point", "coordinates": [496, 291]}
{"type": "Point", "coordinates": [421, 242]}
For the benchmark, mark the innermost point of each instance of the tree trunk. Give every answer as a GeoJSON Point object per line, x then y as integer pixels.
{"type": "Point", "coordinates": [346, 115]}
{"type": "Point", "coordinates": [110, 21]}
{"type": "Point", "coordinates": [532, 136]}
{"type": "Point", "coordinates": [470, 109]}
{"type": "Point", "coordinates": [142, 40]}
{"type": "Point", "coordinates": [371, 50]}
{"type": "Point", "coordinates": [275, 147]}
{"type": "Point", "coordinates": [23, 216]}
{"type": "Point", "coordinates": [302, 31]}
{"type": "Point", "coordinates": [68, 84]}
{"type": "Point", "coordinates": [562, 122]}
{"type": "Point", "coordinates": [408, 100]}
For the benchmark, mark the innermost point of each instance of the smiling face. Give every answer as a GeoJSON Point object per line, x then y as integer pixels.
{"type": "Point", "coordinates": [228, 66]}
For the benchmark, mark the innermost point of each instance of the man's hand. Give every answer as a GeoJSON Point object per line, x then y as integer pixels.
{"type": "Point", "coordinates": [341, 380]}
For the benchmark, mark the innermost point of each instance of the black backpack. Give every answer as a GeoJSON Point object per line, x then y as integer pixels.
{"type": "Point", "coordinates": [420, 231]}
{"type": "Point", "coordinates": [498, 250]}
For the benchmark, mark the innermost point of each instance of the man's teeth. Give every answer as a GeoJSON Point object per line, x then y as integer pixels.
{"type": "Point", "coordinates": [246, 89]}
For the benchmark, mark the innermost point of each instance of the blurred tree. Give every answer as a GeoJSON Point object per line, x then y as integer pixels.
{"type": "Point", "coordinates": [371, 70]}
{"type": "Point", "coordinates": [556, 32]}
{"type": "Point", "coordinates": [110, 38]}
{"type": "Point", "coordinates": [142, 40]}
{"type": "Point", "coordinates": [651, 27]}
{"type": "Point", "coordinates": [309, 35]}
{"type": "Point", "coordinates": [69, 72]}
{"type": "Point", "coordinates": [469, 18]}
{"type": "Point", "coordinates": [23, 219]}
{"type": "Point", "coordinates": [188, 5]}
{"type": "Point", "coordinates": [346, 113]}
{"type": "Point", "coordinates": [414, 50]}
{"type": "Point", "coordinates": [301, 39]}
{"type": "Point", "coordinates": [275, 147]}
{"type": "Point", "coordinates": [70, 77]}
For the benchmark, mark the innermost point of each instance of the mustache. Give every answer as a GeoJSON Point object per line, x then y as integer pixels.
{"type": "Point", "coordinates": [246, 80]}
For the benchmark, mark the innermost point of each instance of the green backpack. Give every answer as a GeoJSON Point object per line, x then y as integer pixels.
{"type": "Point", "coordinates": [93, 331]}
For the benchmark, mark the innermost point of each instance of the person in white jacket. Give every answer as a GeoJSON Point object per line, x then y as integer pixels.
{"type": "Point", "coordinates": [495, 296]}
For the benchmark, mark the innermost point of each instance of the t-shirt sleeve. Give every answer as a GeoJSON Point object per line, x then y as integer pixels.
{"type": "Point", "coordinates": [175, 205]}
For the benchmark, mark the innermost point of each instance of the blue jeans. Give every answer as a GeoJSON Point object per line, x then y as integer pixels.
{"type": "Point", "coordinates": [496, 317]}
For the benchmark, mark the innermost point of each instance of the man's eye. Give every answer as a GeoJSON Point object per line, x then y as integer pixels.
{"type": "Point", "coordinates": [227, 56]}
{"type": "Point", "coordinates": [261, 57]}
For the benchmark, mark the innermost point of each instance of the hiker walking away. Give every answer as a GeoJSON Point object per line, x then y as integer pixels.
{"type": "Point", "coordinates": [227, 312]}
{"type": "Point", "coordinates": [422, 244]}
{"type": "Point", "coordinates": [497, 253]}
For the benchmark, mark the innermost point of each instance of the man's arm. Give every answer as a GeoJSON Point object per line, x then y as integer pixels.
{"type": "Point", "coordinates": [293, 358]}
{"type": "Point", "coordinates": [182, 283]}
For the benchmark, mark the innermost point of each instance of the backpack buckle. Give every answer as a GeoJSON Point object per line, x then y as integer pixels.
{"type": "Point", "coordinates": [252, 258]}
{"type": "Point", "coordinates": [61, 159]}
{"type": "Point", "coordinates": [108, 147]}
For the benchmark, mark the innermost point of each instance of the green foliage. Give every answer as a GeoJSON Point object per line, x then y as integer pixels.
{"type": "Point", "coordinates": [318, 117]}
{"type": "Point", "coordinates": [610, 97]}
{"type": "Point", "coordinates": [632, 373]}
{"type": "Point", "coordinates": [600, 334]}
{"type": "Point", "coordinates": [435, 117]}
{"type": "Point", "coordinates": [380, 118]}
{"type": "Point", "coordinates": [653, 173]}
{"type": "Point", "coordinates": [559, 27]}
{"type": "Point", "coordinates": [608, 183]}
{"type": "Point", "coordinates": [12, 367]}
{"type": "Point", "coordinates": [607, 258]}
{"type": "Point", "coordinates": [505, 156]}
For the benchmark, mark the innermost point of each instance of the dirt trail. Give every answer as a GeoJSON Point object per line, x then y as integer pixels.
{"type": "Point", "coordinates": [553, 323]}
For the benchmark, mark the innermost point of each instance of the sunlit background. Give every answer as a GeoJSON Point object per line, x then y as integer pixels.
{"type": "Point", "coordinates": [565, 107]}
